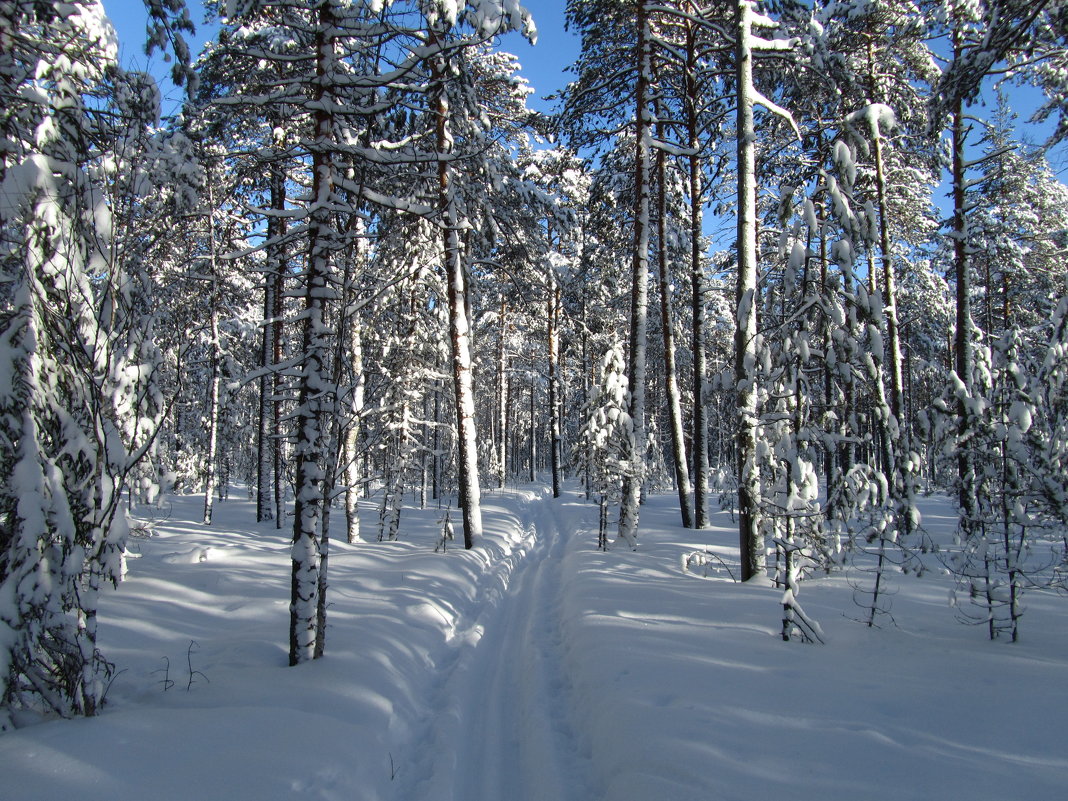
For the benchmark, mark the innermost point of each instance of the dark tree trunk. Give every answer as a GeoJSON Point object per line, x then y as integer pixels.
{"type": "Point", "coordinates": [636, 365]}
{"type": "Point", "coordinates": [268, 434]}
{"type": "Point", "coordinates": [667, 325]}
{"type": "Point", "coordinates": [555, 435]}
{"type": "Point", "coordinates": [307, 628]}
{"type": "Point", "coordinates": [459, 319]}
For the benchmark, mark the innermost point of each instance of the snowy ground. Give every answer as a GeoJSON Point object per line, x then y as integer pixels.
{"type": "Point", "coordinates": [536, 667]}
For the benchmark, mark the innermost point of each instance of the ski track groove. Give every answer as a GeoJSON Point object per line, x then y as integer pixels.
{"type": "Point", "coordinates": [498, 722]}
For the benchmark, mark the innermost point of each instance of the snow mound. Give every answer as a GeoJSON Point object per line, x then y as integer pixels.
{"type": "Point", "coordinates": [189, 556]}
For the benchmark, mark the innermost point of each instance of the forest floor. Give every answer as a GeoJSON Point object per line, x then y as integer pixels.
{"type": "Point", "coordinates": [537, 667]}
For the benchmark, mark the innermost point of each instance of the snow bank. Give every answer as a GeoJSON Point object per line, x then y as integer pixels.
{"type": "Point", "coordinates": [537, 667]}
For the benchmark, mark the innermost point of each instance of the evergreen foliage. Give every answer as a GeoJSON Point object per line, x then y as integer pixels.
{"type": "Point", "coordinates": [353, 271]}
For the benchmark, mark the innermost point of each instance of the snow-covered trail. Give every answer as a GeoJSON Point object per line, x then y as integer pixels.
{"type": "Point", "coordinates": [536, 667]}
{"type": "Point", "coordinates": [500, 726]}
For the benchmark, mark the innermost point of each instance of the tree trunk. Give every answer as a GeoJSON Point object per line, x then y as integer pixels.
{"type": "Point", "coordinates": [587, 371]}
{"type": "Point", "coordinates": [315, 375]}
{"type": "Point", "coordinates": [210, 460]}
{"type": "Point", "coordinates": [900, 482]}
{"type": "Point", "coordinates": [750, 537]}
{"type": "Point", "coordinates": [350, 452]}
{"type": "Point", "coordinates": [533, 428]}
{"type": "Point", "coordinates": [267, 433]}
{"type": "Point", "coordinates": [700, 421]}
{"type": "Point", "coordinates": [553, 312]}
{"type": "Point", "coordinates": [667, 325]}
{"type": "Point", "coordinates": [396, 475]}
{"type": "Point", "coordinates": [832, 467]}
{"type": "Point", "coordinates": [424, 450]}
{"type": "Point", "coordinates": [636, 366]}
{"type": "Point", "coordinates": [962, 340]}
{"type": "Point", "coordinates": [210, 467]}
{"type": "Point", "coordinates": [459, 329]}
{"type": "Point", "coordinates": [502, 398]}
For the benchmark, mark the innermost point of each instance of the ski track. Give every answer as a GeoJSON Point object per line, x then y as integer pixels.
{"type": "Point", "coordinates": [497, 725]}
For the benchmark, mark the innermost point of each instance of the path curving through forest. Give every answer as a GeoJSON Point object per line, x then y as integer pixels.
{"type": "Point", "coordinates": [499, 725]}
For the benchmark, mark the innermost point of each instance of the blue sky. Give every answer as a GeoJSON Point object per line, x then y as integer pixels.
{"type": "Point", "coordinates": [543, 64]}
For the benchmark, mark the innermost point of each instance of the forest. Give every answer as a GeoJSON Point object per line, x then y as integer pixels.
{"type": "Point", "coordinates": [793, 261]}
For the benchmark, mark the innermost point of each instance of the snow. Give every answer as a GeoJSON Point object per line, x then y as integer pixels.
{"type": "Point", "coordinates": [535, 666]}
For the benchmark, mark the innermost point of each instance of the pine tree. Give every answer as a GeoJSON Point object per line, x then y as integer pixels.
{"type": "Point", "coordinates": [604, 445]}
{"type": "Point", "coordinates": [746, 343]}
{"type": "Point", "coordinates": [1008, 417]}
{"type": "Point", "coordinates": [79, 407]}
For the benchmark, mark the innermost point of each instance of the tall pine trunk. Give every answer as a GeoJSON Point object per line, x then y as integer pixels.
{"type": "Point", "coordinates": [532, 428]}
{"type": "Point", "coordinates": [555, 425]}
{"type": "Point", "coordinates": [267, 433]}
{"type": "Point", "coordinates": [750, 537]}
{"type": "Point", "coordinates": [459, 325]}
{"type": "Point", "coordinates": [667, 325]}
{"type": "Point", "coordinates": [351, 437]}
{"type": "Point", "coordinates": [639, 298]}
{"type": "Point", "coordinates": [962, 339]}
{"type": "Point", "coordinates": [700, 421]}
{"type": "Point", "coordinates": [215, 361]}
{"type": "Point", "coordinates": [278, 443]}
{"type": "Point", "coordinates": [833, 467]}
{"type": "Point", "coordinates": [211, 471]}
{"type": "Point", "coordinates": [314, 394]}
{"type": "Point", "coordinates": [900, 480]}
{"type": "Point", "coordinates": [502, 398]}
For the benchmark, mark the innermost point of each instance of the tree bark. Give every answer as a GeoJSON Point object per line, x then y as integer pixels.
{"type": "Point", "coordinates": [700, 421]}
{"type": "Point", "coordinates": [636, 365]}
{"type": "Point", "coordinates": [962, 339]}
{"type": "Point", "coordinates": [267, 433]}
{"type": "Point", "coordinates": [750, 537]}
{"type": "Point", "coordinates": [459, 326]}
{"type": "Point", "coordinates": [350, 452]}
{"type": "Point", "coordinates": [553, 311]}
{"type": "Point", "coordinates": [215, 359]}
{"type": "Point", "coordinates": [532, 430]}
{"type": "Point", "coordinates": [667, 325]}
{"type": "Point", "coordinates": [211, 473]}
{"type": "Point", "coordinates": [897, 430]}
{"type": "Point", "coordinates": [314, 397]}
{"type": "Point", "coordinates": [502, 398]}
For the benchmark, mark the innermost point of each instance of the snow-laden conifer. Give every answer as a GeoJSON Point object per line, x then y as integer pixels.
{"type": "Point", "coordinates": [606, 441]}
{"type": "Point", "coordinates": [79, 405]}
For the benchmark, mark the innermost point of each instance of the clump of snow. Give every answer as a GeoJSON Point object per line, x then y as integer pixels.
{"type": "Point", "coordinates": [190, 556]}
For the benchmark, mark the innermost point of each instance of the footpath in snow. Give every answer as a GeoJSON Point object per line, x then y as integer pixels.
{"type": "Point", "coordinates": [536, 667]}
